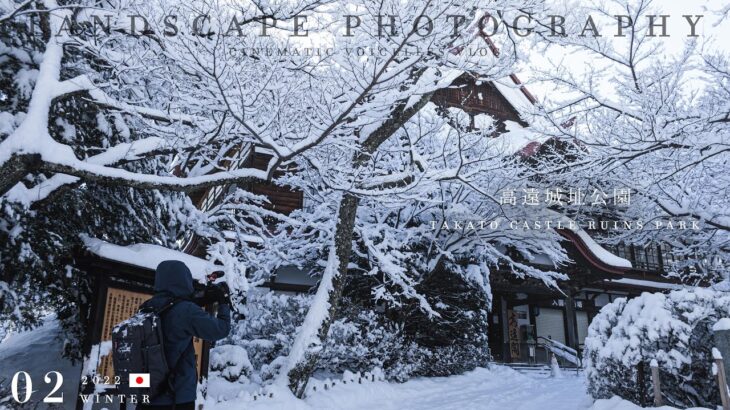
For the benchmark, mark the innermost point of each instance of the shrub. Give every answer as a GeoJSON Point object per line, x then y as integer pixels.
{"type": "Point", "coordinates": [269, 327]}
{"type": "Point", "coordinates": [400, 339]}
{"type": "Point", "coordinates": [403, 340]}
{"type": "Point", "coordinates": [366, 341]}
{"type": "Point", "coordinates": [231, 363]}
{"type": "Point", "coordinates": [675, 329]}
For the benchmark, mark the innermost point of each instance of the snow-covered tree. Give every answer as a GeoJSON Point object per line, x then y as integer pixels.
{"type": "Point", "coordinates": [398, 152]}
{"type": "Point", "coordinates": [199, 100]}
{"type": "Point", "coordinates": [40, 224]}
{"type": "Point", "coordinates": [97, 115]}
{"type": "Point", "coordinates": [654, 122]}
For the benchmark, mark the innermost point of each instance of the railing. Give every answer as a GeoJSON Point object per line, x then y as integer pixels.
{"type": "Point", "coordinates": [541, 350]}
{"type": "Point", "coordinates": [560, 350]}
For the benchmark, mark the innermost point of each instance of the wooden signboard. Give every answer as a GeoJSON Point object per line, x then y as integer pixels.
{"type": "Point", "coordinates": [514, 335]}
{"type": "Point", "coordinates": [121, 305]}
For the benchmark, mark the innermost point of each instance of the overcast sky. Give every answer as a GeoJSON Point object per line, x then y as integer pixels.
{"type": "Point", "coordinates": [712, 36]}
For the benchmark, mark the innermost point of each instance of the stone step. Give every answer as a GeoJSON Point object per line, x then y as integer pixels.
{"type": "Point", "coordinates": [535, 369]}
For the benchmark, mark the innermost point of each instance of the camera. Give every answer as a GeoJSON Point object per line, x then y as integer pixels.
{"type": "Point", "coordinates": [213, 292]}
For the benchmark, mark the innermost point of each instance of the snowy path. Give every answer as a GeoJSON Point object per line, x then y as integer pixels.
{"type": "Point", "coordinates": [484, 389]}
{"type": "Point", "coordinates": [498, 388]}
{"type": "Point", "coordinates": [38, 352]}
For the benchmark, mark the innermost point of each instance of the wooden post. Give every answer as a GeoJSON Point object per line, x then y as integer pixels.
{"type": "Point", "coordinates": [571, 321]}
{"type": "Point", "coordinates": [722, 382]}
{"type": "Point", "coordinates": [658, 402]}
{"type": "Point", "coordinates": [721, 354]}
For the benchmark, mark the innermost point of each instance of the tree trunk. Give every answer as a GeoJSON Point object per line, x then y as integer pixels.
{"type": "Point", "coordinates": [305, 351]}
{"type": "Point", "coordinates": [303, 357]}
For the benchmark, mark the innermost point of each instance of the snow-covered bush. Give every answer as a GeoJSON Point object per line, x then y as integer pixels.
{"type": "Point", "coordinates": [372, 341]}
{"type": "Point", "coordinates": [404, 340]}
{"type": "Point", "coordinates": [230, 362]}
{"type": "Point", "coordinates": [675, 329]}
{"type": "Point", "coordinates": [266, 333]}
{"type": "Point", "coordinates": [456, 339]}
{"type": "Point", "coordinates": [362, 340]}
{"type": "Point", "coordinates": [368, 341]}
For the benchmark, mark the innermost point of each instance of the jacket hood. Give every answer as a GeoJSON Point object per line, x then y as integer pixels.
{"type": "Point", "coordinates": [175, 278]}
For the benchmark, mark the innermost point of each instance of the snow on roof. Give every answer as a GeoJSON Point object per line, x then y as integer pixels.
{"type": "Point", "coordinates": [148, 256]}
{"type": "Point", "coordinates": [600, 252]}
{"type": "Point", "coordinates": [514, 94]}
{"type": "Point", "coordinates": [597, 250]}
{"type": "Point", "coordinates": [646, 283]}
{"type": "Point", "coordinates": [510, 86]}
{"type": "Point", "coordinates": [516, 138]}
{"type": "Point", "coordinates": [722, 324]}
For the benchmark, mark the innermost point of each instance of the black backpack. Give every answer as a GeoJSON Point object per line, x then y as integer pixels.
{"type": "Point", "coordinates": [137, 347]}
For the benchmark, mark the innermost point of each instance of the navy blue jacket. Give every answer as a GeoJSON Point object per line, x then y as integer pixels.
{"type": "Point", "coordinates": [179, 324]}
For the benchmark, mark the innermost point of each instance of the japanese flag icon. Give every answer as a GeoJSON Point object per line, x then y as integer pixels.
{"type": "Point", "coordinates": [139, 380]}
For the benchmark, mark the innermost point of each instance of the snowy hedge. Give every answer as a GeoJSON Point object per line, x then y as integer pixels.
{"type": "Point", "coordinates": [404, 340]}
{"type": "Point", "coordinates": [368, 342]}
{"type": "Point", "coordinates": [361, 341]}
{"type": "Point", "coordinates": [365, 341]}
{"type": "Point", "coordinates": [401, 340]}
{"type": "Point", "coordinates": [675, 329]}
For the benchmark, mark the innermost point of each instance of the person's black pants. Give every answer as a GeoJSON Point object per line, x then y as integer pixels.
{"type": "Point", "coordinates": [179, 406]}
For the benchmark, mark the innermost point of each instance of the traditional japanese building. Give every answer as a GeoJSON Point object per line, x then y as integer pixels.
{"type": "Point", "coordinates": [530, 320]}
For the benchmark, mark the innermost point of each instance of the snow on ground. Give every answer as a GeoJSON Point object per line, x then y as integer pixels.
{"type": "Point", "coordinates": [38, 352]}
{"type": "Point", "coordinates": [496, 388]}
{"type": "Point", "coordinates": [616, 403]}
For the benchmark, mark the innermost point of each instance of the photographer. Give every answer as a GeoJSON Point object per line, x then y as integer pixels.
{"type": "Point", "coordinates": [182, 322]}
